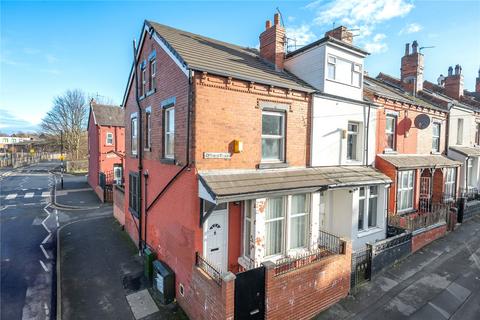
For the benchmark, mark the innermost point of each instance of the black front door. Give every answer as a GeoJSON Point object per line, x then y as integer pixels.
{"type": "Point", "coordinates": [250, 294]}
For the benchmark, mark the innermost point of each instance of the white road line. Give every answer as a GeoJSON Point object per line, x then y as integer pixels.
{"type": "Point", "coordinates": [11, 196]}
{"type": "Point", "coordinates": [29, 195]}
{"type": "Point", "coordinates": [46, 238]}
{"type": "Point", "coordinates": [46, 194]}
{"type": "Point", "coordinates": [44, 252]}
{"type": "Point", "coordinates": [43, 265]}
{"type": "Point", "coordinates": [29, 204]}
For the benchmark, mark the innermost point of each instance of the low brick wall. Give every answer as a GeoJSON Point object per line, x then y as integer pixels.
{"type": "Point", "coordinates": [421, 238]}
{"type": "Point", "coordinates": [304, 292]}
{"type": "Point", "coordinates": [99, 191]}
{"type": "Point", "coordinates": [205, 299]}
{"type": "Point", "coordinates": [119, 204]}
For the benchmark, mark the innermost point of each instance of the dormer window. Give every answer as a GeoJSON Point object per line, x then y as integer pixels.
{"type": "Point", "coordinates": [344, 71]}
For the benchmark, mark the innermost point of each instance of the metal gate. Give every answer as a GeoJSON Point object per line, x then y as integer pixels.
{"type": "Point", "coordinates": [250, 294]}
{"type": "Point", "coordinates": [361, 267]}
{"type": "Point", "coordinates": [425, 194]}
{"type": "Point", "coordinates": [108, 193]}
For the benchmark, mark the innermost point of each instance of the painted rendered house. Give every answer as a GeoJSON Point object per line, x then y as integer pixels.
{"type": "Point", "coordinates": [219, 185]}
{"type": "Point", "coordinates": [343, 137]}
{"type": "Point", "coordinates": [106, 146]}
{"type": "Point", "coordinates": [411, 147]}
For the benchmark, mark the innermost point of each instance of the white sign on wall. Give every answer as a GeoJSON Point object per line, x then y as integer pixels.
{"type": "Point", "coordinates": [216, 155]}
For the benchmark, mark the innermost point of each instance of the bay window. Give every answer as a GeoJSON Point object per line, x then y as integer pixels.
{"type": "Point", "coordinates": [367, 207]}
{"type": "Point", "coordinates": [273, 136]}
{"type": "Point", "coordinates": [274, 226]}
{"type": "Point", "coordinates": [298, 221]}
{"type": "Point", "coordinates": [450, 183]}
{"type": "Point", "coordinates": [405, 190]}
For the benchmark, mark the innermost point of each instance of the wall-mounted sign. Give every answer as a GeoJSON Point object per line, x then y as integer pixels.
{"type": "Point", "coordinates": [216, 155]}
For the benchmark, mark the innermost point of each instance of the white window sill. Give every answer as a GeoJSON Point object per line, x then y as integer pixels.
{"type": "Point", "coordinates": [368, 232]}
{"type": "Point", "coordinates": [356, 162]}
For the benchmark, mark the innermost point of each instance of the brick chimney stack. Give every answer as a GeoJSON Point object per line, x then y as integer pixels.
{"type": "Point", "coordinates": [411, 72]}
{"type": "Point", "coordinates": [341, 33]}
{"type": "Point", "coordinates": [454, 82]}
{"type": "Point", "coordinates": [272, 42]}
{"type": "Point", "coordinates": [477, 83]}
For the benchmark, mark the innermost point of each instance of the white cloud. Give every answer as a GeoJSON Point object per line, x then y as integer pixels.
{"type": "Point", "coordinates": [410, 28]}
{"type": "Point", "coordinates": [377, 45]}
{"type": "Point", "coordinates": [302, 35]}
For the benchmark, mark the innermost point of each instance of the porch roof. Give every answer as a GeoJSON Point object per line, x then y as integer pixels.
{"type": "Point", "coordinates": [467, 151]}
{"type": "Point", "coordinates": [234, 185]}
{"type": "Point", "coordinates": [415, 161]}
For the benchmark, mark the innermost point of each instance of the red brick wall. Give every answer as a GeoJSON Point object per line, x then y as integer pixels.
{"type": "Point", "coordinates": [107, 156]}
{"type": "Point", "coordinates": [303, 293]}
{"type": "Point", "coordinates": [390, 171]}
{"type": "Point", "coordinates": [93, 153]}
{"type": "Point", "coordinates": [438, 185]}
{"type": "Point", "coordinates": [207, 299]}
{"type": "Point", "coordinates": [231, 107]}
{"type": "Point", "coordinates": [422, 239]}
{"type": "Point", "coordinates": [234, 235]}
{"type": "Point", "coordinates": [119, 205]}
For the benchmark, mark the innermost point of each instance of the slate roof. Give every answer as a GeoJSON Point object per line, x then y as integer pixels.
{"type": "Point", "coordinates": [390, 90]}
{"type": "Point", "coordinates": [467, 151]}
{"type": "Point", "coordinates": [231, 185]}
{"type": "Point", "coordinates": [416, 161]}
{"type": "Point", "coordinates": [106, 115]}
{"type": "Point", "coordinates": [222, 58]}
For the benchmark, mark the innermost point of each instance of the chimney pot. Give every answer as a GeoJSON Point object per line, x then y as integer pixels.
{"type": "Point", "coordinates": [276, 19]}
{"type": "Point", "coordinates": [414, 46]}
{"type": "Point", "coordinates": [450, 71]}
{"type": "Point", "coordinates": [457, 69]}
{"type": "Point", "coordinates": [268, 24]}
{"type": "Point", "coordinates": [407, 49]}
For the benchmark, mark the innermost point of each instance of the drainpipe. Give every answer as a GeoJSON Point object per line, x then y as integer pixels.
{"type": "Point", "coordinates": [139, 147]}
{"type": "Point", "coordinates": [145, 174]}
{"type": "Point", "coordinates": [466, 173]}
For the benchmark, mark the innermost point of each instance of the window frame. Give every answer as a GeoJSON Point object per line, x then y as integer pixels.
{"type": "Point", "coordinates": [408, 189]}
{"type": "Point", "coordinates": [109, 134]}
{"type": "Point", "coordinates": [153, 73]}
{"type": "Point", "coordinates": [477, 134]}
{"type": "Point", "coordinates": [134, 134]}
{"type": "Point", "coordinates": [436, 139]}
{"type": "Point", "coordinates": [460, 126]}
{"type": "Point", "coordinates": [144, 81]}
{"type": "Point", "coordinates": [248, 205]}
{"type": "Point", "coordinates": [393, 132]}
{"type": "Point", "coordinates": [331, 65]}
{"type": "Point", "coordinates": [167, 110]}
{"type": "Point", "coordinates": [133, 197]}
{"type": "Point", "coordinates": [367, 196]}
{"type": "Point", "coordinates": [148, 129]}
{"type": "Point", "coordinates": [469, 173]}
{"type": "Point", "coordinates": [281, 137]}
{"type": "Point", "coordinates": [355, 134]}
{"type": "Point", "coordinates": [450, 182]}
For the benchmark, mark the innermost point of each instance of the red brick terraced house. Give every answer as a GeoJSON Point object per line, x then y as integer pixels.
{"type": "Point", "coordinates": [106, 146]}
{"type": "Point", "coordinates": [411, 149]}
{"type": "Point", "coordinates": [219, 186]}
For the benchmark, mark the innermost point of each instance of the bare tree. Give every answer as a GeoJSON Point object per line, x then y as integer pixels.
{"type": "Point", "coordinates": [67, 119]}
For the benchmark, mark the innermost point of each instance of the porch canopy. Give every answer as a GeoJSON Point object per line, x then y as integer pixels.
{"type": "Point", "coordinates": [418, 161]}
{"type": "Point", "coordinates": [467, 151]}
{"type": "Point", "coordinates": [235, 185]}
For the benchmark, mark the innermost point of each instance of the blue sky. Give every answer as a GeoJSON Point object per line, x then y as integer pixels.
{"type": "Point", "coordinates": [49, 47]}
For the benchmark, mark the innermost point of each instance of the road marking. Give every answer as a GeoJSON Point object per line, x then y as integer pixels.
{"type": "Point", "coordinates": [11, 196]}
{"type": "Point", "coordinates": [29, 195]}
{"type": "Point", "coordinates": [46, 238]}
{"type": "Point", "coordinates": [43, 265]}
{"type": "Point", "coordinates": [46, 194]}
{"type": "Point", "coordinates": [29, 204]}
{"type": "Point", "coordinates": [44, 252]}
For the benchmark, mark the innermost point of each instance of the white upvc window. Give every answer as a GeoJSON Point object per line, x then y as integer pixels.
{"type": "Point", "coordinates": [390, 131]}
{"type": "Point", "coordinates": [450, 177]}
{"type": "Point", "coordinates": [344, 71]}
{"type": "Point", "coordinates": [148, 129]}
{"type": "Point", "coordinates": [153, 73]}
{"type": "Point", "coordinates": [470, 173]}
{"type": "Point", "coordinates": [144, 82]}
{"type": "Point", "coordinates": [405, 190]}
{"type": "Point", "coordinates": [248, 230]}
{"type": "Point", "coordinates": [367, 207]}
{"type": "Point", "coordinates": [459, 131]}
{"type": "Point", "coordinates": [352, 140]}
{"type": "Point", "coordinates": [273, 136]}
{"type": "Point", "coordinates": [109, 138]}
{"type": "Point", "coordinates": [286, 224]}
{"type": "Point", "coordinates": [133, 134]}
{"type": "Point", "coordinates": [169, 133]}
{"type": "Point", "coordinates": [436, 137]}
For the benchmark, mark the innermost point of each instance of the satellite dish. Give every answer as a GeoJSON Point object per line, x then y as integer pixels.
{"type": "Point", "coordinates": [422, 121]}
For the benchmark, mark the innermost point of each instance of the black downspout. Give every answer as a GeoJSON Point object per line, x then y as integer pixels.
{"type": "Point", "coordinates": [139, 147]}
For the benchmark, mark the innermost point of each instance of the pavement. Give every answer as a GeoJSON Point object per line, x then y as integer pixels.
{"type": "Point", "coordinates": [440, 281]}
{"type": "Point", "coordinates": [100, 271]}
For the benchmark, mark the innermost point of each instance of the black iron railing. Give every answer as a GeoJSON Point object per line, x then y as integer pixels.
{"type": "Point", "coordinates": [328, 244]}
{"type": "Point", "coordinates": [469, 193]}
{"type": "Point", "coordinates": [208, 268]}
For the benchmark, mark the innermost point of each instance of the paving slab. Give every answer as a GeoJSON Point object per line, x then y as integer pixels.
{"type": "Point", "coordinates": [142, 304]}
